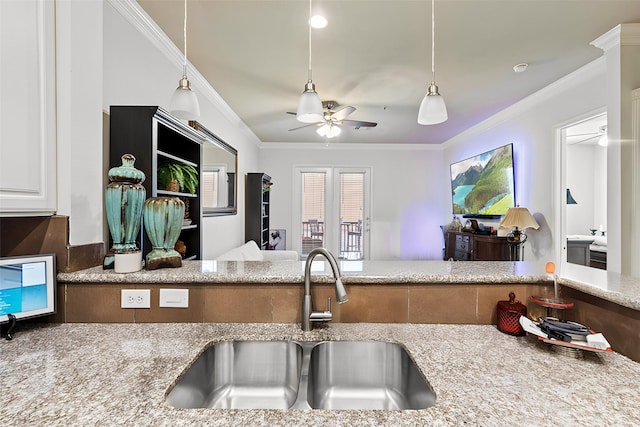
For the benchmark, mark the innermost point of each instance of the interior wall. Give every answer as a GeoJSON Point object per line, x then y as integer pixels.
{"type": "Point", "coordinates": [78, 118]}
{"type": "Point", "coordinates": [140, 70]}
{"type": "Point", "coordinates": [587, 177]}
{"type": "Point", "coordinates": [407, 186]}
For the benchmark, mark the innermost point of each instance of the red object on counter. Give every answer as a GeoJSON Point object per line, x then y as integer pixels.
{"type": "Point", "coordinates": [509, 313]}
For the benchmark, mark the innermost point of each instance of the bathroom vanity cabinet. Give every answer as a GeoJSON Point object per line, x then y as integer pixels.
{"type": "Point", "coordinates": [153, 136]}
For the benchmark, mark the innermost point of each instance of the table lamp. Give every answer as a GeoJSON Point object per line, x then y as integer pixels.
{"type": "Point", "coordinates": [519, 219]}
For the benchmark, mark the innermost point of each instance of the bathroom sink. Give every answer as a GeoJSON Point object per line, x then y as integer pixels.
{"type": "Point", "coordinates": [302, 375]}
{"type": "Point", "coordinates": [241, 375]}
{"type": "Point", "coordinates": [365, 375]}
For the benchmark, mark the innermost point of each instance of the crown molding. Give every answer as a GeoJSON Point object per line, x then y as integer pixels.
{"type": "Point", "coordinates": [348, 146]}
{"type": "Point", "coordinates": [620, 35]}
{"type": "Point", "coordinates": [142, 22]}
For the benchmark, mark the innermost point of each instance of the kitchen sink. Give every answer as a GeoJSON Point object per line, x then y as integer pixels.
{"type": "Point", "coordinates": [302, 375]}
{"type": "Point", "coordinates": [365, 375]}
{"type": "Point", "coordinates": [241, 375]}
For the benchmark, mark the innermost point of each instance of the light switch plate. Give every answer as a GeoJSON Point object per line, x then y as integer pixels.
{"type": "Point", "coordinates": [177, 298]}
{"type": "Point", "coordinates": [135, 298]}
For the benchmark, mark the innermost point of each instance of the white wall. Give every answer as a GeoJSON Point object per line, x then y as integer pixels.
{"type": "Point", "coordinates": [407, 186]}
{"type": "Point", "coordinates": [587, 178]}
{"type": "Point", "coordinates": [141, 67]}
{"type": "Point", "coordinates": [79, 119]}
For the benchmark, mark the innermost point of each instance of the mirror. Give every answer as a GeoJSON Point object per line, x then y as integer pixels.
{"type": "Point", "coordinates": [219, 175]}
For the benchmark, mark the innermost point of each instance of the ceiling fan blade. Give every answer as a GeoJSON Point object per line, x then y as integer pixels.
{"type": "Point", "coordinates": [358, 123]}
{"type": "Point", "coordinates": [342, 113]}
{"type": "Point", "coordinates": [306, 126]}
{"type": "Point", "coordinates": [585, 139]}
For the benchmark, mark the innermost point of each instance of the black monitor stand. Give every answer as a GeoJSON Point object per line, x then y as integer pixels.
{"type": "Point", "coordinates": [11, 326]}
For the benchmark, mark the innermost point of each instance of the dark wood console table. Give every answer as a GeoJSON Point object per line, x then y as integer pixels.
{"type": "Point", "coordinates": [462, 246]}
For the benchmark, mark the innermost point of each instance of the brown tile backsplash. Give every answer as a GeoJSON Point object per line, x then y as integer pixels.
{"type": "Point", "coordinates": [47, 234]}
{"type": "Point", "coordinates": [281, 303]}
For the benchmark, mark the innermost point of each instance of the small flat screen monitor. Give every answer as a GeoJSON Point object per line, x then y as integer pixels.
{"type": "Point", "coordinates": [27, 286]}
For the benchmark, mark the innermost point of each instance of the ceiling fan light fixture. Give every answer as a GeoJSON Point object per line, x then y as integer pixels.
{"type": "Point", "coordinates": [184, 102]}
{"type": "Point", "coordinates": [329, 130]}
{"type": "Point", "coordinates": [432, 108]}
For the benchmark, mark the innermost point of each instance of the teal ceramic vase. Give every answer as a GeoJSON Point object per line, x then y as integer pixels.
{"type": "Point", "coordinates": [163, 218]}
{"type": "Point", "coordinates": [124, 200]}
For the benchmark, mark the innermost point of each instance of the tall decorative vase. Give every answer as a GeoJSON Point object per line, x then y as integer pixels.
{"type": "Point", "coordinates": [163, 218]}
{"type": "Point", "coordinates": [124, 200]}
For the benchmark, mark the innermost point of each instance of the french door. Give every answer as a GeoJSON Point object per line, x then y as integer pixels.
{"type": "Point", "coordinates": [331, 210]}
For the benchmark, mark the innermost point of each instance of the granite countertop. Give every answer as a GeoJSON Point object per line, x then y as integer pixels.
{"type": "Point", "coordinates": [262, 272]}
{"type": "Point", "coordinates": [118, 374]}
{"type": "Point", "coordinates": [623, 290]}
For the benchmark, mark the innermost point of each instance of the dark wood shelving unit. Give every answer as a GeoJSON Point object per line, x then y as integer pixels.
{"type": "Point", "coordinates": [256, 215]}
{"type": "Point", "coordinates": [152, 135]}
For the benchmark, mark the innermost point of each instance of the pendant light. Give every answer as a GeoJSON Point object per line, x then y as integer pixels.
{"type": "Point", "coordinates": [184, 102]}
{"type": "Point", "coordinates": [432, 109]}
{"type": "Point", "coordinates": [310, 107]}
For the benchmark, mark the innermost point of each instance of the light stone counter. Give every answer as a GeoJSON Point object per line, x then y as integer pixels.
{"type": "Point", "coordinates": [117, 374]}
{"type": "Point", "coordinates": [623, 290]}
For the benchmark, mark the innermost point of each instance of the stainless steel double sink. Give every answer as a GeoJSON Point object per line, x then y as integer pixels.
{"type": "Point", "coordinates": [303, 375]}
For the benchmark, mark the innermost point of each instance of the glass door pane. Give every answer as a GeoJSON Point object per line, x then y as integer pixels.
{"type": "Point", "coordinates": [313, 211]}
{"type": "Point", "coordinates": [351, 215]}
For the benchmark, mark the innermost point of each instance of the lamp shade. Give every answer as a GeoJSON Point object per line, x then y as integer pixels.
{"type": "Point", "coordinates": [310, 106]}
{"type": "Point", "coordinates": [432, 108]}
{"type": "Point", "coordinates": [519, 217]}
{"type": "Point", "coordinates": [570, 199]}
{"type": "Point", "coordinates": [184, 102]}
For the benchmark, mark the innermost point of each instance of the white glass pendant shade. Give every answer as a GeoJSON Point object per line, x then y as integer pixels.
{"type": "Point", "coordinates": [184, 102]}
{"type": "Point", "coordinates": [432, 109]}
{"type": "Point", "coordinates": [310, 106]}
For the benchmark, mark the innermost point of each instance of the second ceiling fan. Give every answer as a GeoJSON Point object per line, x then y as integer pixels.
{"type": "Point", "coordinates": [332, 117]}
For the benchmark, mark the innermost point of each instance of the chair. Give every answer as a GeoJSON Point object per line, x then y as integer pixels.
{"type": "Point", "coordinates": [354, 237]}
{"type": "Point", "coordinates": [316, 229]}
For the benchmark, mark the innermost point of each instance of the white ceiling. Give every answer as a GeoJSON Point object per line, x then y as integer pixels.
{"type": "Point", "coordinates": [376, 56]}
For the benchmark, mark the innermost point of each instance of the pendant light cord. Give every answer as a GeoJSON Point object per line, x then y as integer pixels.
{"type": "Point", "coordinates": [184, 35]}
{"type": "Point", "coordinates": [433, 43]}
{"type": "Point", "coordinates": [309, 24]}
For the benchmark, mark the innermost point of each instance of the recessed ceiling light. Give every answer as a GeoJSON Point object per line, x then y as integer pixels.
{"type": "Point", "coordinates": [520, 68]}
{"type": "Point", "coordinates": [318, 21]}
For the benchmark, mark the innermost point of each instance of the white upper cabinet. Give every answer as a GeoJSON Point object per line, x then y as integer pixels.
{"type": "Point", "coordinates": [27, 108]}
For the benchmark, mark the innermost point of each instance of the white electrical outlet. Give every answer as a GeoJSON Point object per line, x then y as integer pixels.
{"type": "Point", "coordinates": [178, 298]}
{"type": "Point", "coordinates": [135, 298]}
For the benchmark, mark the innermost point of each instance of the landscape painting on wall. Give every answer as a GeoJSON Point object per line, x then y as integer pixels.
{"type": "Point", "coordinates": [483, 184]}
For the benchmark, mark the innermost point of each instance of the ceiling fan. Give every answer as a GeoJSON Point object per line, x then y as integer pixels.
{"type": "Point", "coordinates": [332, 117]}
{"type": "Point", "coordinates": [589, 137]}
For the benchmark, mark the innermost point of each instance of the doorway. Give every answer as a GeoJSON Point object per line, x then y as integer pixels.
{"type": "Point", "coordinates": [331, 208]}
{"type": "Point", "coordinates": [585, 204]}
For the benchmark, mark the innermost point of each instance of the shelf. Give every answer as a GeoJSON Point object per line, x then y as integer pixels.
{"type": "Point", "coordinates": [176, 194]}
{"type": "Point", "coordinates": [190, 227]}
{"type": "Point", "coordinates": [176, 158]}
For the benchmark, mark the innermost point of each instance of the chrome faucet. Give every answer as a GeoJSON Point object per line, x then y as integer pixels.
{"type": "Point", "coordinates": [308, 315]}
